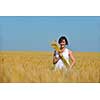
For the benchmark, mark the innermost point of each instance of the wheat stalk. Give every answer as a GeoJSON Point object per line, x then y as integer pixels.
{"type": "Point", "coordinates": [55, 46]}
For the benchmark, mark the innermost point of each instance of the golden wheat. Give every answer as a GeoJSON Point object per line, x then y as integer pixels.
{"type": "Point", "coordinates": [38, 67]}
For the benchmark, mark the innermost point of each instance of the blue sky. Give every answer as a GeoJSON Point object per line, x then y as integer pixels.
{"type": "Point", "coordinates": [36, 33]}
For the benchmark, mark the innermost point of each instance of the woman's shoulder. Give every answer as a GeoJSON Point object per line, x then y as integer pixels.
{"type": "Point", "coordinates": [68, 50]}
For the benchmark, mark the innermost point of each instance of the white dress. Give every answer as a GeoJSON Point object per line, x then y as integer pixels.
{"type": "Point", "coordinates": [60, 64]}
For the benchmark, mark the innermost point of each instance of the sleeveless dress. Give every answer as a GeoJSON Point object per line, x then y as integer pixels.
{"type": "Point", "coordinates": [60, 64]}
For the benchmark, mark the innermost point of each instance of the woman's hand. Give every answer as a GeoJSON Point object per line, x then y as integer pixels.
{"type": "Point", "coordinates": [55, 60]}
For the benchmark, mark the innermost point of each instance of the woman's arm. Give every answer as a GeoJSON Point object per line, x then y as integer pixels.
{"type": "Point", "coordinates": [72, 58]}
{"type": "Point", "coordinates": [55, 59]}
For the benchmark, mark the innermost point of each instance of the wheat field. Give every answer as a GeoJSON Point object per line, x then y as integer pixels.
{"type": "Point", "coordinates": [37, 67]}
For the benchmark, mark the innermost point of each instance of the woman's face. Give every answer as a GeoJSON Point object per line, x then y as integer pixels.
{"type": "Point", "coordinates": [63, 43]}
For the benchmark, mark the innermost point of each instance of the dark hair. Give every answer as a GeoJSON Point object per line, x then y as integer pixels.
{"type": "Point", "coordinates": [63, 38]}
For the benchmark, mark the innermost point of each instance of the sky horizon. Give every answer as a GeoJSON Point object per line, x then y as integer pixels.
{"type": "Point", "coordinates": [35, 33]}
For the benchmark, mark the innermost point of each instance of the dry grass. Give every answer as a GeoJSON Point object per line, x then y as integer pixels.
{"type": "Point", "coordinates": [38, 67]}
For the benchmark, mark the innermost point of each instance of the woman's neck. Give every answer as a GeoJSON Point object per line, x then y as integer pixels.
{"type": "Point", "coordinates": [62, 49]}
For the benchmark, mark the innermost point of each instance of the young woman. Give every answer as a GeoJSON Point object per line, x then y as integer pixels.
{"type": "Point", "coordinates": [68, 54]}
